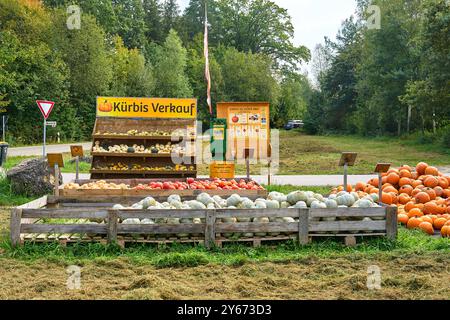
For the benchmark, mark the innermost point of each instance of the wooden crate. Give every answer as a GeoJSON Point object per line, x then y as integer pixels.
{"type": "Point", "coordinates": [95, 193]}
{"type": "Point", "coordinates": [26, 221]}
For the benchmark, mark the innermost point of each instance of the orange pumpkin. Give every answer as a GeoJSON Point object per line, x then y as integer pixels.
{"type": "Point", "coordinates": [431, 182]}
{"type": "Point", "coordinates": [432, 171]}
{"type": "Point", "coordinates": [439, 191]}
{"type": "Point", "coordinates": [427, 227]}
{"type": "Point", "coordinates": [421, 167]}
{"type": "Point", "coordinates": [430, 208]}
{"type": "Point", "coordinates": [413, 223]}
{"type": "Point", "coordinates": [393, 178]}
{"type": "Point", "coordinates": [404, 181]}
{"type": "Point", "coordinates": [415, 212]}
{"type": "Point", "coordinates": [430, 192]}
{"type": "Point", "coordinates": [404, 173]}
{"type": "Point", "coordinates": [422, 197]}
{"type": "Point", "coordinates": [387, 198]}
{"type": "Point", "coordinates": [360, 186]}
{"type": "Point", "coordinates": [443, 182]}
{"type": "Point", "coordinates": [439, 223]}
{"type": "Point", "coordinates": [445, 231]}
{"type": "Point", "coordinates": [404, 198]}
{"type": "Point", "coordinates": [407, 189]}
{"type": "Point", "coordinates": [403, 218]}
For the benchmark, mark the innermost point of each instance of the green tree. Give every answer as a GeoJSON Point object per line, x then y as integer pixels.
{"type": "Point", "coordinates": [260, 26]}
{"type": "Point", "coordinates": [171, 16]}
{"type": "Point", "coordinates": [31, 70]}
{"type": "Point", "coordinates": [248, 77]}
{"type": "Point", "coordinates": [293, 99]}
{"type": "Point", "coordinates": [153, 20]}
{"type": "Point", "coordinates": [131, 75]}
{"type": "Point", "coordinates": [86, 55]}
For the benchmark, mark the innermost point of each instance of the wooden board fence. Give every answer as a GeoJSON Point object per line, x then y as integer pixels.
{"type": "Point", "coordinates": [104, 224]}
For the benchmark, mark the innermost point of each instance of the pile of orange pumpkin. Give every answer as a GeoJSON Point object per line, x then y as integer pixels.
{"type": "Point", "coordinates": [422, 195]}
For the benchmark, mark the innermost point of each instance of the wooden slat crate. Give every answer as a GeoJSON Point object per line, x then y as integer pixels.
{"type": "Point", "coordinates": [28, 223]}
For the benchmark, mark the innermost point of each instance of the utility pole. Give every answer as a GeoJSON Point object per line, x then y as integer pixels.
{"type": "Point", "coordinates": [4, 120]}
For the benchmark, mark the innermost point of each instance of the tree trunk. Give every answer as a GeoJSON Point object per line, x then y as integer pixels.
{"type": "Point", "coordinates": [408, 123]}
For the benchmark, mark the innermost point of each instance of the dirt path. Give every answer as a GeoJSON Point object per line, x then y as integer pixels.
{"type": "Point", "coordinates": [402, 277]}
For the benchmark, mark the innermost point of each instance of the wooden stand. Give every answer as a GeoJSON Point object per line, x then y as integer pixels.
{"type": "Point", "coordinates": [121, 127]}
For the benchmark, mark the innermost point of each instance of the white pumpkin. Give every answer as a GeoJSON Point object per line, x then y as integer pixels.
{"type": "Point", "coordinates": [331, 203]}
{"type": "Point", "coordinates": [272, 204]}
{"type": "Point", "coordinates": [234, 200]}
{"type": "Point", "coordinates": [301, 205]}
{"type": "Point", "coordinates": [296, 196]}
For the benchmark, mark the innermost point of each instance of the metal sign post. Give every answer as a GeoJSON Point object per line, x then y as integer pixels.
{"type": "Point", "coordinates": [4, 121]}
{"type": "Point", "coordinates": [46, 108]}
{"type": "Point", "coordinates": [45, 138]}
{"type": "Point", "coordinates": [348, 159]}
{"type": "Point", "coordinates": [248, 153]}
{"type": "Point", "coordinates": [380, 169]}
{"type": "Point", "coordinates": [77, 152]}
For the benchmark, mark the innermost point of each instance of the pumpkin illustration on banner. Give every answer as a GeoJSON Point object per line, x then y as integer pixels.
{"type": "Point", "coordinates": [105, 106]}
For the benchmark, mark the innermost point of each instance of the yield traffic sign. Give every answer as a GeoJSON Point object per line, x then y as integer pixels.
{"type": "Point", "coordinates": [46, 107]}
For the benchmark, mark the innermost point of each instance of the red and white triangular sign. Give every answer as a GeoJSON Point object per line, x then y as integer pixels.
{"type": "Point", "coordinates": [46, 107]}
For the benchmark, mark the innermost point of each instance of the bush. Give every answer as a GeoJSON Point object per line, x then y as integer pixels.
{"type": "Point", "coordinates": [445, 140]}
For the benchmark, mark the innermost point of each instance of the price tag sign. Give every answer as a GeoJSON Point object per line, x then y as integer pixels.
{"type": "Point", "coordinates": [76, 151]}
{"type": "Point", "coordinates": [55, 158]}
{"type": "Point", "coordinates": [348, 158]}
{"type": "Point", "coordinates": [382, 167]}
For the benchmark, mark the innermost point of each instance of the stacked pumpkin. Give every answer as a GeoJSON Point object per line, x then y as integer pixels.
{"type": "Point", "coordinates": [422, 196]}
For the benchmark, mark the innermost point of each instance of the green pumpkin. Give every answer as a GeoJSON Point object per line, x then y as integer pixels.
{"type": "Point", "coordinates": [131, 150]}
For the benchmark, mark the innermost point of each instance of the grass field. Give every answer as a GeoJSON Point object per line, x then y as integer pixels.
{"type": "Point", "coordinates": [415, 266]}
{"type": "Point", "coordinates": [302, 154]}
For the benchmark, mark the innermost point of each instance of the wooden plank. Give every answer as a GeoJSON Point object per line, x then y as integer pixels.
{"type": "Point", "coordinates": [252, 227]}
{"type": "Point", "coordinates": [112, 226]}
{"type": "Point", "coordinates": [16, 218]}
{"type": "Point", "coordinates": [210, 228]}
{"type": "Point", "coordinates": [256, 213]}
{"type": "Point", "coordinates": [391, 223]}
{"type": "Point", "coordinates": [347, 212]}
{"type": "Point", "coordinates": [340, 226]}
{"type": "Point", "coordinates": [136, 155]}
{"type": "Point", "coordinates": [73, 213]}
{"type": "Point", "coordinates": [374, 234]}
{"type": "Point", "coordinates": [154, 214]}
{"type": "Point", "coordinates": [35, 204]}
{"type": "Point", "coordinates": [64, 228]}
{"type": "Point", "coordinates": [160, 228]}
{"type": "Point", "coordinates": [303, 226]}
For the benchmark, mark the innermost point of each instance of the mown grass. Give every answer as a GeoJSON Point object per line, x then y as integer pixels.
{"type": "Point", "coordinates": [305, 155]}
{"type": "Point", "coordinates": [8, 198]}
{"type": "Point", "coordinates": [177, 255]}
{"type": "Point", "coordinates": [289, 188]}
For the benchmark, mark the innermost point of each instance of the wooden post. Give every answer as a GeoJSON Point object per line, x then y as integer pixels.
{"type": "Point", "coordinates": [56, 180]}
{"type": "Point", "coordinates": [210, 233]}
{"type": "Point", "coordinates": [380, 189]}
{"type": "Point", "coordinates": [345, 176]}
{"type": "Point", "coordinates": [391, 223]}
{"type": "Point", "coordinates": [77, 169]}
{"type": "Point", "coordinates": [16, 219]}
{"type": "Point", "coordinates": [303, 226]}
{"type": "Point", "coordinates": [112, 226]}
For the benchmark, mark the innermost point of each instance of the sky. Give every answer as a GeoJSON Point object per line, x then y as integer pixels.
{"type": "Point", "coordinates": [313, 19]}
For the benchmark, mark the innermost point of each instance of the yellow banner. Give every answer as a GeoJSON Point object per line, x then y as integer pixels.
{"type": "Point", "coordinates": [147, 108]}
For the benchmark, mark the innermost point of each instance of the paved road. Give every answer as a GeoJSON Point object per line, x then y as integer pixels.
{"type": "Point", "coordinates": [37, 150]}
{"type": "Point", "coordinates": [279, 180]}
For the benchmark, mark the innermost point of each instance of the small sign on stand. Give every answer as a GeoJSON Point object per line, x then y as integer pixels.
{"type": "Point", "coordinates": [348, 159]}
{"type": "Point", "coordinates": [77, 152]}
{"type": "Point", "coordinates": [56, 161]}
{"type": "Point", "coordinates": [380, 169]}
